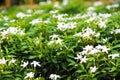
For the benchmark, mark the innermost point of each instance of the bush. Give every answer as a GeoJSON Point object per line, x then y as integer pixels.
{"type": "Point", "coordinates": [60, 42]}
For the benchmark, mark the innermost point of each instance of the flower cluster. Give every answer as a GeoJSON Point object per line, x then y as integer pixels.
{"type": "Point", "coordinates": [116, 31]}
{"type": "Point", "coordinates": [88, 32]}
{"type": "Point", "coordinates": [21, 15]}
{"type": "Point", "coordinates": [64, 26]}
{"type": "Point", "coordinates": [11, 30]}
{"type": "Point", "coordinates": [55, 40]}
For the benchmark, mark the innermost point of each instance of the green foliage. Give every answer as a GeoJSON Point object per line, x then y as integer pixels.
{"type": "Point", "coordinates": [70, 41]}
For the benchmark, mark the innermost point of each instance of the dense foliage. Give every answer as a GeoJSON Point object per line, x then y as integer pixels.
{"type": "Point", "coordinates": [60, 41]}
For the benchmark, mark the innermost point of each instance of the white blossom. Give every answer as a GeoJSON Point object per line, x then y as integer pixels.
{"type": "Point", "coordinates": [102, 48]}
{"type": "Point", "coordinates": [102, 24]}
{"type": "Point", "coordinates": [21, 15]}
{"type": "Point", "coordinates": [83, 59]}
{"type": "Point", "coordinates": [24, 64]}
{"type": "Point", "coordinates": [3, 61]}
{"type": "Point", "coordinates": [93, 69]}
{"type": "Point", "coordinates": [12, 61]}
{"type": "Point", "coordinates": [29, 75]}
{"type": "Point", "coordinates": [64, 26]}
{"type": "Point", "coordinates": [79, 56]}
{"type": "Point", "coordinates": [54, 36]}
{"type": "Point", "coordinates": [54, 76]}
{"type": "Point", "coordinates": [5, 18]}
{"type": "Point", "coordinates": [113, 55]}
{"type": "Point", "coordinates": [35, 63]}
{"type": "Point", "coordinates": [59, 41]}
{"type": "Point", "coordinates": [112, 6]}
{"type": "Point", "coordinates": [35, 21]}
{"type": "Point", "coordinates": [12, 30]}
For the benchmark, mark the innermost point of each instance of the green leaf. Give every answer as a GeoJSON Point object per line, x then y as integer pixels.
{"type": "Point", "coordinates": [79, 71]}
{"type": "Point", "coordinates": [116, 46]}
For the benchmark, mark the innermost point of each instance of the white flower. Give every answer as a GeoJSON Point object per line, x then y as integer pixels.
{"type": "Point", "coordinates": [91, 8]}
{"type": "Point", "coordinates": [59, 41]}
{"type": "Point", "coordinates": [87, 33]}
{"type": "Point", "coordinates": [54, 36]}
{"type": "Point", "coordinates": [35, 21]}
{"type": "Point", "coordinates": [35, 63]}
{"type": "Point", "coordinates": [117, 31]}
{"type": "Point", "coordinates": [24, 64]}
{"type": "Point", "coordinates": [61, 26]}
{"type": "Point", "coordinates": [90, 19]}
{"type": "Point", "coordinates": [88, 48]}
{"type": "Point", "coordinates": [93, 51]}
{"type": "Point", "coordinates": [113, 55]}
{"type": "Point", "coordinates": [83, 60]}
{"type": "Point", "coordinates": [78, 34]}
{"type": "Point", "coordinates": [93, 69]}
{"type": "Point", "coordinates": [54, 12]}
{"type": "Point", "coordinates": [3, 61]}
{"type": "Point", "coordinates": [102, 24]}
{"type": "Point", "coordinates": [105, 40]}
{"type": "Point", "coordinates": [79, 56]}
{"type": "Point", "coordinates": [21, 15]}
{"type": "Point", "coordinates": [51, 42]}
{"type": "Point", "coordinates": [12, 61]}
{"type": "Point", "coordinates": [102, 48]}
{"type": "Point", "coordinates": [29, 75]}
{"type": "Point", "coordinates": [5, 18]}
{"type": "Point", "coordinates": [97, 34]}
{"type": "Point", "coordinates": [54, 76]}
{"type": "Point", "coordinates": [64, 26]}
{"type": "Point", "coordinates": [12, 30]}
{"type": "Point", "coordinates": [112, 6]}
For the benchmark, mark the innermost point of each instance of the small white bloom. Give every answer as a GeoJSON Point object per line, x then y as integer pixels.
{"type": "Point", "coordinates": [29, 75]}
{"type": "Point", "coordinates": [97, 34]}
{"type": "Point", "coordinates": [59, 41]}
{"type": "Point", "coordinates": [35, 63]}
{"type": "Point", "coordinates": [83, 60]}
{"type": "Point", "coordinates": [24, 64]}
{"type": "Point", "coordinates": [102, 48]}
{"type": "Point", "coordinates": [105, 40]}
{"type": "Point", "coordinates": [93, 51]}
{"type": "Point", "coordinates": [3, 61]}
{"type": "Point", "coordinates": [5, 18]}
{"type": "Point", "coordinates": [102, 24]}
{"type": "Point", "coordinates": [91, 8]}
{"type": "Point", "coordinates": [117, 31]}
{"type": "Point", "coordinates": [79, 56]}
{"type": "Point", "coordinates": [51, 42]}
{"type": "Point", "coordinates": [88, 48]}
{"type": "Point", "coordinates": [54, 36]}
{"type": "Point", "coordinates": [12, 61]}
{"type": "Point", "coordinates": [54, 76]}
{"type": "Point", "coordinates": [21, 15]}
{"type": "Point", "coordinates": [54, 12]}
{"type": "Point", "coordinates": [93, 69]}
{"type": "Point", "coordinates": [113, 55]}
{"type": "Point", "coordinates": [36, 21]}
